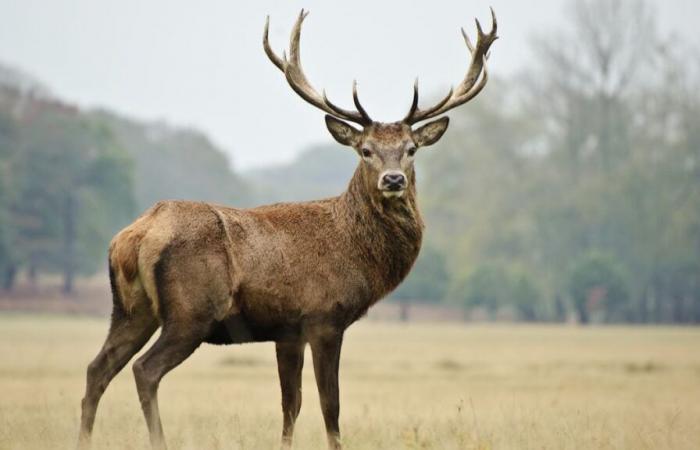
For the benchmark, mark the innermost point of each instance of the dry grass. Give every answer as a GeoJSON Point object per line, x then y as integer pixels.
{"type": "Point", "coordinates": [413, 387]}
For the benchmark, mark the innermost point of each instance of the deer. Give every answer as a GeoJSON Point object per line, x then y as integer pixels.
{"type": "Point", "coordinates": [290, 273]}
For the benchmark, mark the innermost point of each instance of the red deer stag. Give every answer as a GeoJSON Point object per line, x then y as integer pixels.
{"type": "Point", "coordinates": [293, 273]}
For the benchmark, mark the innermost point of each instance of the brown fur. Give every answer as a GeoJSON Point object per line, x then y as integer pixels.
{"type": "Point", "coordinates": [294, 273]}
{"type": "Point", "coordinates": [303, 259]}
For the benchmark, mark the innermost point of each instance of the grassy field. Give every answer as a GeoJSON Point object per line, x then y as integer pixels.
{"type": "Point", "coordinates": [402, 386]}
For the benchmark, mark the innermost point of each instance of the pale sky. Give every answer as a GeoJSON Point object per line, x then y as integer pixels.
{"type": "Point", "coordinates": [201, 64]}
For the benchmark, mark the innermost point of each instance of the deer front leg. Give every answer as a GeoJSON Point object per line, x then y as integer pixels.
{"type": "Point", "coordinates": [290, 361]}
{"type": "Point", "coordinates": [326, 355]}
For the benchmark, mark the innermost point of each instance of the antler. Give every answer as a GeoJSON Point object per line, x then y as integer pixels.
{"type": "Point", "coordinates": [297, 80]}
{"type": "Point", "coordinates": [468, 88]}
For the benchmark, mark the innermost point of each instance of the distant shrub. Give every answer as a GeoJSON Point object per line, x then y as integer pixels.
{"type": "Point", "coordinates": [493, 287]}
{"type": "Point", "coordinates": [597, 285]}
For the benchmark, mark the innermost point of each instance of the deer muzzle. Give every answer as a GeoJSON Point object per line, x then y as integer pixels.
{"type": "Point", "coordinates": [392, 183]}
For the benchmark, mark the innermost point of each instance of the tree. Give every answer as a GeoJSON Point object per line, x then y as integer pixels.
{"type": "Point", "coordinates": [71, 188]}
{"type": "Point", "coordinates": [597, 283]}
{"type": "Point", "coordinates": [427, 281]}
{"type": "Point", "coordinates": [8, 135]}
{"type": "Point", "coordinates": [525, 297]}
{"type": "Point", "coordinates": [171, 162]}
{"type": "Point", "coordinates": [584, 75]}
{"type": "Point", "coordinates": [70, 179]}
{"type": "Point", "coordinates": [487, 287]}
{"type": "Point", "coordinates": [594, 89]}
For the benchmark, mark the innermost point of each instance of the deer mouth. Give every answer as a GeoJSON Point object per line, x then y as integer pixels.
{"type": "Point", "coordinates": [393, 193]}
{"type": "Point", "coordinates": [393, 189]}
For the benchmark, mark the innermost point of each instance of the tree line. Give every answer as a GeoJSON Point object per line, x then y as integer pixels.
{"type": "Point", "coordinates": [70, 179]}
{"type": "Point", "coordinates": [573, 189]}
{"type": "Point", "coordinates": [568, 191]}
{"type": "Point", "coordinates": [65, 185]}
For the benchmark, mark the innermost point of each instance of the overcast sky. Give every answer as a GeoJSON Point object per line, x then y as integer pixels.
{"type": "Point", "coordinates": [201, 64]}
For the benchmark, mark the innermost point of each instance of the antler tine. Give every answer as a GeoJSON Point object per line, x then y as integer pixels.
{"type": "Point", "coordinates": [268, 50]}
{"type": "Point", "coordinates": [356, 100]}
{"type": "Point", "coordinates": [430, 112]}
{"type": "Point", "coordinates": [344, 112]}
{"type": "Point", "coordinates": [339, 111]}
{"type": "Point", "coordinates": [414, 103]}
{"type": "Point", "coordinates": [414, 111]}
{"type": "Point", "coordinates": [473, 82]}
{"type": "Point", "coordinates": [467, 41]}
{"type": "Point", "coordinates": [295, 37]}
{"type": "Point", "coordinates": [299, 83]}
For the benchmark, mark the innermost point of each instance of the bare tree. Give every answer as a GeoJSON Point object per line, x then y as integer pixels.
{"type": "Point", "coordinates": [584, 72]}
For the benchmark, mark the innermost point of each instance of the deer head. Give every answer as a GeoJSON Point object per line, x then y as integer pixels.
{"type": "Point", "coordinates": [387, 149]}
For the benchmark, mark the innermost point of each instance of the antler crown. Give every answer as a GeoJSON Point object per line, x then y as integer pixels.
{"type": "Point", "coordinates": [473, 82]}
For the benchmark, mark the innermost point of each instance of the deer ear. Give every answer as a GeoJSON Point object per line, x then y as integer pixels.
{"type": "Point", "coordinates": [342, 132]}
{"type": "Point", "coordinates": [431, 132]}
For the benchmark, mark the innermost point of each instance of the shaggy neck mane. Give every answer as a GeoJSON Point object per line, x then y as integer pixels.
{"type": "Point", "coordinates": [387, 231]}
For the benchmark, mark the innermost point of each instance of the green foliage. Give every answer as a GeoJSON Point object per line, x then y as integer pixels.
{"type": "Point", "coordinates": [5, 230]}
{"type": "Point", "coordinates": [174, 163]}
{"type": "Point", "coordinates": [597, 283]}
{"type": "Point", "coordinates": [66, 187]}
{"type": "Point", "coordinates": [428, 279]}
{"type": "Point", "coordinates": [493, 287]}
{"type": "Point", "coordinates": [71, 179]}
{"type": "Point", "coordinates": [596, 152]}
{"type": "Point", "coordinates": [487, 287]}
{"type": "Point", "coordinates": [526, 297]}
{"type": "Point", "coordinates": [9, 136]}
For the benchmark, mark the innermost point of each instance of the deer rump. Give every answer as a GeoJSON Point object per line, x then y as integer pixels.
{"type": "Point", "coordinates": [248, 268]}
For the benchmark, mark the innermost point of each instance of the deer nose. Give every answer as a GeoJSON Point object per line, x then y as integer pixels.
{"type": "Point", "coordinates": [394, 181]}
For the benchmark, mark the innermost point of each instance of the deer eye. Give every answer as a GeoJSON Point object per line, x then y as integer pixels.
{"type": "Point", "coordinates": [411, 151]}
{"type": "Point", "coordinates": [366, 152]}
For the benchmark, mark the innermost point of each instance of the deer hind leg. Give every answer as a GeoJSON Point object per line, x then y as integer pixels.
{"type": "Point", "coordinates": [187, 321]}
{"type": "Point", "coordinates": [128, 333]}
{"type": "Point", "coordinates": [188, 281]}
{"type": "Point", "coordinates": [175, 344]}
{"type": "Point", "coordinates": [290, 362]}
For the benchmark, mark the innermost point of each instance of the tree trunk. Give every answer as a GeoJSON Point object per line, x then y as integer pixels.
{"type": "Point", "coordinates": [33, 275]}
{"type": "Point", "coordinates": [559, 309]}
{"type": "Point", "coordinates": [69, 244]}
{"type": "Point", "coordinates": [583, 317]}
{"type": "Point", "coordinates": [679, 310]}
{"type": "Point", "coordinates": [644, 306]}
{"type": "Point", "coordinates": [68, 278]}
{"type": "Point", "coordinates": [658, 310]}
{"type": "Point", "coordinates": [9, 277]}
{"type": "Point", "coordinates": [404, 307]}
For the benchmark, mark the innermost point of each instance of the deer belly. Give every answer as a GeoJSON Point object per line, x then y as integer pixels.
{"type": "Point", "coordinates": [260, 316]}
{"type": "Point", "coordinates": [238, 329]}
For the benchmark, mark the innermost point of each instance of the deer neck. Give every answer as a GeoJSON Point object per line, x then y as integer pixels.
{"type": "Point", "coordinates": [386, 231]}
